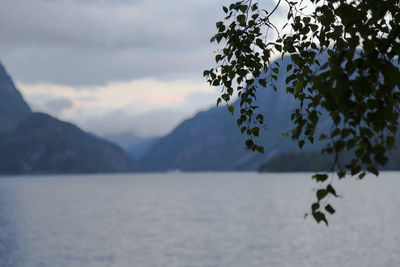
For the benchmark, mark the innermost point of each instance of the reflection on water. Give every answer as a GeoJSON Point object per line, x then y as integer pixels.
{"type": "Point", "coordinates": [9, 249]}
{"type": "Point", "coordinates": [223, 219]}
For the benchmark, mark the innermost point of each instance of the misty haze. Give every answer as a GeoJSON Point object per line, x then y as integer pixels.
{"type": "Point", "coordinates": [129, 138]}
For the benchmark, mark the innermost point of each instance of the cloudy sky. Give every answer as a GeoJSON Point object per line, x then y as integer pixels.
{"type": "Point", "coordinates": [112, 65]}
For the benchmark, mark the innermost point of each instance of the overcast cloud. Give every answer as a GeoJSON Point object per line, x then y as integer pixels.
{"type": "Point", "coordinates": [94, 58]}
{"type": "Point", "coordinates": [95, 42]}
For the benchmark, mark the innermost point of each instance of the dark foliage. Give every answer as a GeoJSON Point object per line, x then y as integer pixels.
{"type": "Point", "coordinates": [357, 88]}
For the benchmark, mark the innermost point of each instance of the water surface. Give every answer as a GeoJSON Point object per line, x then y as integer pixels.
{"type": "Point", "coordinates": [201, 219]}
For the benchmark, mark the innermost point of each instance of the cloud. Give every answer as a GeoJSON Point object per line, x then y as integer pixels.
{"type": "Point", "coordinates": [154, 123]}
{"type": "Point", "coordinates": [111, 108]}
{"type": "Point", "coordinates": [84, 60]}
{"type": "Point", "coordinates": [81, 23]}
{"type": "Point", "coordinates": [143, 94]}
{"type": "Point", "coordinates": [58, 105]}
{"type": "Point", "coordinates": [49, 103]}
{"type": "Point", "coordinates": [95, 42]}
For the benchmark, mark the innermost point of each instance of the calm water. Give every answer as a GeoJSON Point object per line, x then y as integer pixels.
{"type": "Point", "coordinates": [223, 219]}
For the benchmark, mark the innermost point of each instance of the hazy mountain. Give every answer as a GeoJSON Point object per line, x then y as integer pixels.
{"type": "Point", "coordinates": [134, 145]}
{"type": "Point", "coordinates": [211, 140]}
{"type": "Point", "coordinates": [13, 108]}
{"type": "Point", "coordinates": [43, 144]}
{"type": "Point", "coordinates": [38, 143]}
{"type": "Point", "coordinates": [298, 162]}
{"type": "Point", "coordinates": [315, 161]}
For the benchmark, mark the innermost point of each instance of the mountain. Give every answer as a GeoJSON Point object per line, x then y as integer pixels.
{"type": "Point", "coordinates": [13, 108]}
{"type": "Point", "coordinates": [43, 144]}
{"type": "Point", "coordinates": [299, 162]}
{"type": "Point", "coordinates": [315, 161]}
{"type": "Point", "coordinates": [134, 145]}
{"type": "Point", "coordinates": [212, 141]}
{"type": "Point", "coordinates": [38, 143]}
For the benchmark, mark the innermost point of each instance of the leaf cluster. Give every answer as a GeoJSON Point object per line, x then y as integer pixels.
{"type": "Point", "coordinates": [345, 63]}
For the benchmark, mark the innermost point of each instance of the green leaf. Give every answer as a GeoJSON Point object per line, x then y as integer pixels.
{"type": "Point", "coordinates": [381, 159]}
{"type": "Point", "coordinates": [256, 131]}
{"type": "Point", "coordinates": [319, 217]}
{"type": "Point", "coordinates": [329, 209]}
{"type": "Point", "coordinates": [231, 109]}
{"type": "Point", "coordinates": [355, 169]}
{"type": "Point", "coordinates": [373, 170]}
{"type": "Point", "coordinates": [390, 141]}
{"type": "Point", "coordinates": [262, 82]}
{"type": "Point", "coordinates": [361, 175]}
{"type": "Point", "coordinates": [241, 19]}
{"type": "Point", "coordinates": [301, 144]}
{"type": "Point", "coordinates": [298, 86]}
{"type": "Point", "coordinates": [260, 118]}
{"type": "Point", "coordinates": [323, 137]}
{"type": "Point", "coordinates": [321, 193]}
{"type": "Point", "coordinates": [260, 149]}
{"type": "Point", "coordinates": [350, 144]}
{"type": "Point", "coordinates": [314, 27]}
{"type": "Point", "coordinates": [315, 207]}
{"type": "Point", "coordinates": [331, 190]}
{"type": "Point", "coordinates": [320, 177]}
{"type": "Point", "coordinates": [249, 144]}
{"type": "Point", "coordinates": [392, 129]}
{"type": "Point", "coordinates": [225, 97]}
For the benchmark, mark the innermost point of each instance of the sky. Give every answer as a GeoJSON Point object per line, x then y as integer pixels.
{"type": "Point", "coordinates": [112, 66]}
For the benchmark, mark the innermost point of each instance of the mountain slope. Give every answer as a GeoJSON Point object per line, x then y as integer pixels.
{"type": "Point", "coordinates": [43, 144]}
{"type": "Point", "coordinates": [38, 143]}
{"type": "Point", "coordinates": [212, 141]}
{"type": "Point", "coordinates": [13, 108]}
{"type": "Point", "coordinates": [134, 145]}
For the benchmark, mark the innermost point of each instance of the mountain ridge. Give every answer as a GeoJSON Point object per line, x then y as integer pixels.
{"type": "Point", "coordinates": [34, 142]}
{"type": "Point", "coordinates": [13, 107]}
{"type": "Point", "coordinates": [211, 140]}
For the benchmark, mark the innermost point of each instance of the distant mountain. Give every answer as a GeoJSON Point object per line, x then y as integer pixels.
{"type": "Point", "coordinates": [134, 145]}
{"type": "Point", "coordinates": [38, 143]}
{"type": "Point", "coordinates": [298, 162]}
{"type": "Point", "coordinates": [13, 108]}
{"type": "Point", "coordinates": [43, 144]}
{"type": "Point", "coordinates": [211, 140]}
{"type": "Point", "coordinates": [315, 161]}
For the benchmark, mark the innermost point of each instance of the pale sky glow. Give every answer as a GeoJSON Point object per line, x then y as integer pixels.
{"type": "Point", "coordinates": [111, 65]}
{"type": "Point", "coordinates": [144, 95]}
{"type": "Point", "coordinates": [129, 98]}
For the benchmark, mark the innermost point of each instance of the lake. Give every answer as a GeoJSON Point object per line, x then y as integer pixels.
{"type": "Point", "coordinates": [196, 219]}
